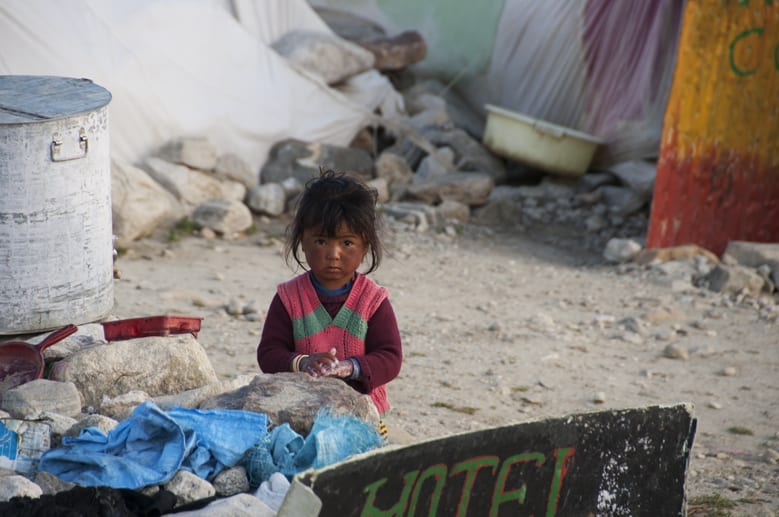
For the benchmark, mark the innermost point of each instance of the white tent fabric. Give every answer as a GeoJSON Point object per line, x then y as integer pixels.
{"type": "Point", "coordinates": [537, 65]}
{"type": "Point", "coordinates": [603, 67]}
{"type": "Point", "coordinates": [200, 68]}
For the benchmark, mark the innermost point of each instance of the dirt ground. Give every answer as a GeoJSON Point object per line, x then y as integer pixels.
{"type": "Point", "coordinates": [501, 326]}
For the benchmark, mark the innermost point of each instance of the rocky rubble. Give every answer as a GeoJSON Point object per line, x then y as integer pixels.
{"type": "Point", "coordinates": [427, 163]}
{"type": "Point", "coordinates": [94, 383]}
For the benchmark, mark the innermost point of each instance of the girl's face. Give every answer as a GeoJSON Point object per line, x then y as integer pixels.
{"type": "Point", "coordinates": [333, 260]}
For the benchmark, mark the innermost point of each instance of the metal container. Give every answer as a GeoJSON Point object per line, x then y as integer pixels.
{"type": "Point", "coordinates": [56, 249]}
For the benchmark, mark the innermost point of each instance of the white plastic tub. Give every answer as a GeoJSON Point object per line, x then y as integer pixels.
{"type": "Point", "coordinates": [546, 146]}
{"type": "Point", "coordinates": [56, 240]}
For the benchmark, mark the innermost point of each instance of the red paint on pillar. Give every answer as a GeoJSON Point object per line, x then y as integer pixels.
{"type": "Point", "coordinates": [710, 197]}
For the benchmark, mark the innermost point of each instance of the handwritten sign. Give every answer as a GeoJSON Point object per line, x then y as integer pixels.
{"type": "Point", "coordinates": [621, 462]}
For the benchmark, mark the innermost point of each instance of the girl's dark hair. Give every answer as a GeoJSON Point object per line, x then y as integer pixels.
{"type": "Point", "coordinates": [330, 200]}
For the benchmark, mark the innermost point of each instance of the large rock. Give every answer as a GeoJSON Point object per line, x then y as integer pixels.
{"type": "Point", "coordinates": [224, 216]}
{"type": "Point", "coordinates": [621, 250]}
{"type": "Point", "coordinates": [268, 198]}
{"type": "Point", "coordinates": [102, 422]}
{"type": "Point", "coordinates": [394, 169]}
{"type": "Point", "coordinates": [194, 397]}
{"type": "Point", "coordinates": [734, 279]}
{"type": "Point", "coordinates": [295, 398]}
{"type": "Point", "coordinates": [139, 204]}
{"type": "Point", "coordinates": [755, 255]}
{"type": "Point", "coordinates": [453, 211]}
{"type": "Point", "coordinates": [621, 201]}
{"type": "Point", "coordinates": [197, 153]}
{"type": "Point", "coordinates": [231, 481]}
{"type": "Point", "coordinates": [328, 56]}
{"type": "Point", "coordinates": [122, 406]}
{"type": "Point", "coordinates": [187, 487]}
{"type": "Point", "coordinates": [233, 167]}
{"type": "Point", "coordinates": [302, 160]}
{"type": "Point", "coordinates": [156, 365]}
{"type": "Point", "coordinates": [503, 207]}
{"type": "Point", "coordinates": [471, 154]}
{"type": "Point", "coordinates": [470, 188]}
{"type": "Point", "coordinates": [18, 486]}
{"type": "Point", "coordinates": [420, 216]}
{"type": "Point", "coordinates": [191, 187]}
{"type": "Point", "coordinates": [396, 52]}
{"type": "Point", "coordinates": [639, 175]}
{"type": "Point", "coordinates": [437, 164]}
{"type": "Point", "coordinates": [51, 484]}
{"type": "Point", "coordinates": [460, 112]}
{"type": "Point", "coordinates": [87, 335]}
{"type": "Point", "coordinates": [32, 399]}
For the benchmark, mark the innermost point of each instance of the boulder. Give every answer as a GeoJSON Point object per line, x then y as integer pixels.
{"type": "Point", "coordinates": [233, 167]}
{"type": "Point", "coordinates": [470, 188]}
{"type": "Point", "coordinates": [504, 206]}
{"type": "Point", "coordinates": [396, 52]}
{"type": "Point", "coordinates": [330, 57]}
{"type": "Point", "coordinates": [268, 198]}
{"type": "Point", "coordinates": [460, 111]}
{"type": "Point", "coordinates": [156, 365]}
{"type": "Point", "coordinates": [734, 279]}
{"type": "Point", "coordinates": [471, 155]}
{"type": "Point", "coordinates": [224, 216]}
{"type": "Point", "coordinates": [197, 153]}
{"type": "Point", "coordinates": [18, 486]}
{"type": "Point", "coordinates": [139, 204]}
{"type": "Point", "coordinates": [295, 398]}
{"type": "Point", "coordinates": [303, 160]}
{"type": "Point", "coordinates": [187, 487]}
{"type": "Point", "coordinates": [755, 255]}
{"type": "Point", "coordinates": [394, 169]}
{"type": "Point", "coordinates": [191, 187]}
{"type": "Point", "coordinates": [32, 399]}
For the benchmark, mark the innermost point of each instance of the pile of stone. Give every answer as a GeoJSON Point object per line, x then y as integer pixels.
{"type": "Point", "coordinates": [94, 383]}
{"type": "Point", "coordinates": [747, 273]}
{"type": "Point", "coordinates": [427, 163]}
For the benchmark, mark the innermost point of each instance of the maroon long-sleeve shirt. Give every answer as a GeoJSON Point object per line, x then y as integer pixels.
{"type": "Point", "coordinates": [383, 349]}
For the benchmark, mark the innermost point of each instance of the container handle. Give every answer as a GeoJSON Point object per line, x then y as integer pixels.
{"type": "Point", "coordinates": [57, 153]}
{"type": "Point", "coordinates": [549, 129]}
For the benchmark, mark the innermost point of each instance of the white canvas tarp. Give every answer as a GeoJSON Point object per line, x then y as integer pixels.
{"type": "Point", "coordinates": [603, 67]}
{"type": "Point", "coordinates": [199, 68]}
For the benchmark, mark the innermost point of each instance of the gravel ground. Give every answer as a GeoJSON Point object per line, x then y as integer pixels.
{"type": "Point", "coordinates": [504, 325]}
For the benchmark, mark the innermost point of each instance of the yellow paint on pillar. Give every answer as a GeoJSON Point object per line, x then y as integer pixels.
{"type": "Point", "coordinates": [718, 171]}
{"type": "Point", "coordinates": [729, 50]}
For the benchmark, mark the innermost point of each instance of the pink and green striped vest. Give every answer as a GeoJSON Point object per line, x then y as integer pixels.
{"type": "Point", "coordinates": [315, 331]}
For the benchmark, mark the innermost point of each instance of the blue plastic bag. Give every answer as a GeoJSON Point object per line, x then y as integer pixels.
{"type": "Point", "coordinates": [152, 445]}
{"type": "Point", "coordinates": [331, 439]}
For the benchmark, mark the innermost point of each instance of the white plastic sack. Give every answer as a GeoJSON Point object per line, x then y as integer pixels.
{"type": "Point", "coordinates": [195, 68]}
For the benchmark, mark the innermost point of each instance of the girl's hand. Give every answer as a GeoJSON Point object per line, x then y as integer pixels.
{"type": "Point", "coordinates": [326, 364]}
{"type": "Point", "coordinates": [342, 370]}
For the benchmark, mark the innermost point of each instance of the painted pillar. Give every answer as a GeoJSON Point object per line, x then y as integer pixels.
{"type": "Point", "coordinates": [718, 169]}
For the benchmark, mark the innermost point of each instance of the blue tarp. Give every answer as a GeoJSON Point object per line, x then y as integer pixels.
{"type": "Point", "coordinates": [152, 445]}
{"type": "Point", "coordinates": [331, 439]}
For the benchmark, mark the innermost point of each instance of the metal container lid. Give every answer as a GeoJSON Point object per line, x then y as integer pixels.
{"type": "Point", "coordinates": [37, 98]}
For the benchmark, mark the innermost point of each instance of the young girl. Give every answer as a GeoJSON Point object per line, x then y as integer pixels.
{"type": "Point", "coordinates": [332, 321]}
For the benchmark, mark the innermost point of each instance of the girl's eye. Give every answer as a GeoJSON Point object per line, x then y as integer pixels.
{"type": "Point", "coordinates": [348, 243]}
{"type": "Point", "coordinates": [319, 241]}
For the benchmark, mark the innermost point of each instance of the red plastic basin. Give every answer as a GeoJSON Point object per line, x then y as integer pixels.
{"type": "Point", "coordinates": [150, 326]}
